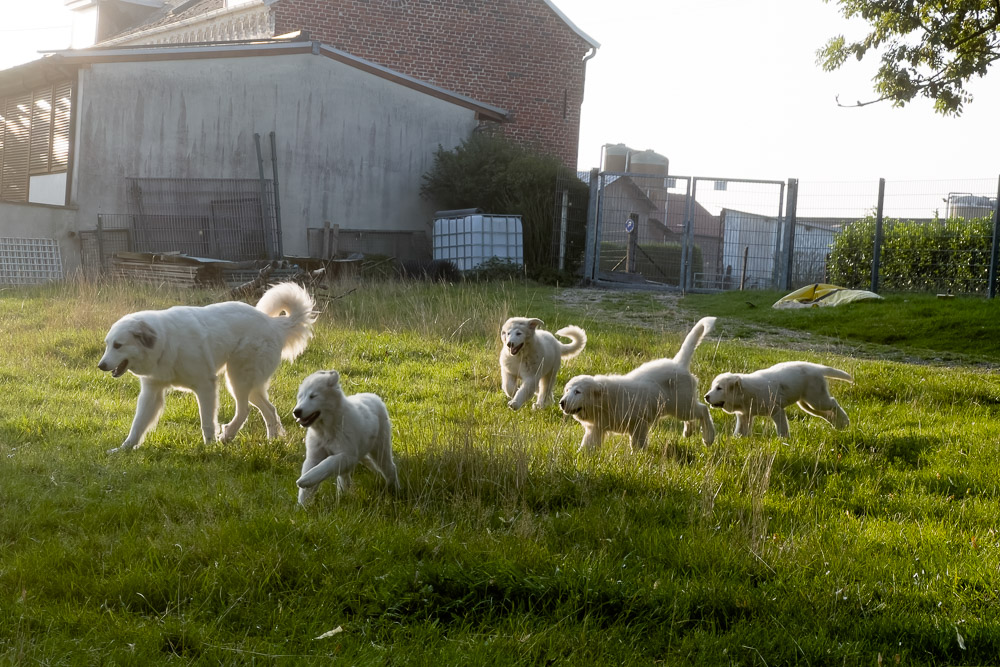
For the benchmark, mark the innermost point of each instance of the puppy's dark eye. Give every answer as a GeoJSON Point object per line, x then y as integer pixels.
{"type": "Point", "coordinates": [116, 345]}
{"type": "Point", "coordinates": [312, 395]}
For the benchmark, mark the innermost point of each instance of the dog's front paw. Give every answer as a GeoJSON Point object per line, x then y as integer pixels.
{"type": "Point", "coordinates": [124, 447]}
{"type": "Point", "coordinates": [513, 404]}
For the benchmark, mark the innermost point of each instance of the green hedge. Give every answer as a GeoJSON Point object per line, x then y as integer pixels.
{"type": "Point", "coordinates": [949, 254]}
{"type": "Point", "coordinates": [658, 262]}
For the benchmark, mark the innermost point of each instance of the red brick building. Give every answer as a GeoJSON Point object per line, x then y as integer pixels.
{"type": "Point", "coordinates": [524, 56]}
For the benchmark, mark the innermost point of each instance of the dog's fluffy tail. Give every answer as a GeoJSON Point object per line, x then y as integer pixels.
{"type": "Point", "coordinates": [294, 300]}
{"type": "Point", "coordinates": [690, 344]}
{"type": "Point", "coordinates": [575, 334]}
{"type": "Point", "coordinates": [837, 374]}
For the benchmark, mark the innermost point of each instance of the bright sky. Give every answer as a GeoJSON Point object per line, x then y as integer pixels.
{"type": "Point", "coordinates": [725, 88]}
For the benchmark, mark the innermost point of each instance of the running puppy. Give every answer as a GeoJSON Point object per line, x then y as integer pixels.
{"type": "Point", "coordinates": [768, 392]}
{"type": "Point", "coordinates": [187, 347]}
{"type": "Point", "coordinates": [533, 355]}
{"type": "Point", "coordinates": [632, 403]}
{"type": "Point", "coordinates": [342, 432]}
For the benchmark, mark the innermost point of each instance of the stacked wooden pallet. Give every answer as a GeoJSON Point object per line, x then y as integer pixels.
{"type": "Point", "coordinates": [169, 269]}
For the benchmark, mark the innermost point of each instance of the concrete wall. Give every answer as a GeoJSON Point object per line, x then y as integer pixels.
{"type": "Point", "coordinates": [351, 147]}
{"type": "Point", "coordinates": [37, 221]}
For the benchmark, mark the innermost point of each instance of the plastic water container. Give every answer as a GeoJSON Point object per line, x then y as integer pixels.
{"type": "Point", "coordinates": [469, 240]}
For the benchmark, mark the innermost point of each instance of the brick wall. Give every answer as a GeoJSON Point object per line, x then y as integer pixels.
{"type": "Point", "coordinates": [514, 54]}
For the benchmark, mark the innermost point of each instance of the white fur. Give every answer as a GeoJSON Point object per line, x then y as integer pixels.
{"type": "Point", "coordinates": [768, 392]}
{"type": "Point", "coordinates": [632, 403]}
{"type": "Point", "coordinates": [187, 347]}
{"type": "Point", "coordinates": [343, 431]}
{"type": "Point", "coordinates": [533, 355]}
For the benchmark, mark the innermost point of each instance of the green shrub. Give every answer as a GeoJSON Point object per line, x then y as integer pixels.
{"type": "Point", "coordinates": [951, 254]}
{"type": "Point", "coordinates": [658, 262]}
{"type": "Point", "coordinates": [494, 174]}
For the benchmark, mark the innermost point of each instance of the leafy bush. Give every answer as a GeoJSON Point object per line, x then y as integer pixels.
{"type": "Point", "coordinates": [494, 174]}
{"type": "Point", "coordinates": [659, 262]}
{"type": "Point", "coordinates": [951, 254]}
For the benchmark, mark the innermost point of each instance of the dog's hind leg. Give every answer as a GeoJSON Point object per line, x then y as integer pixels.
{"type": "Point", "coordinates": [780, 422]}
{"type": "Point", "coordinates": [240, 388]}
{"type": "Point", "coordinates": [703, 416]}
{"type": "Point", "coordinates": [380, 460]}
{"type": "Point", "coordinates": [833, 413]}
{"type": "Point", "coordinates": [545, 385]}
{"type": "Point", "coordinates": [147, 413]}
{"type": "Point", "coordinates": [208, 409]}
{"type": "Point", "coordinates": [258, 398]}
{"type": "Point", "coordinates": [639, 436]}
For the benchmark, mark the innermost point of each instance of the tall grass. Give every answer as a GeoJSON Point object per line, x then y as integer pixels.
{"type": "Point", "coordinates": [505, 545]}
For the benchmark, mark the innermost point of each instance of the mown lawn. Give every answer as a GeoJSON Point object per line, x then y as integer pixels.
{"type": "Point", "coordinates": [874, 545]}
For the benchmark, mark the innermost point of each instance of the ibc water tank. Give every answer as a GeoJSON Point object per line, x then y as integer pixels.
{"type": "Point", "coordinates": [469, 240]}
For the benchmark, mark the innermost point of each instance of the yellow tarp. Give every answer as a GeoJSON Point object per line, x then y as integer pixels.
{"type": "Point", "coordinates": [822, 294]}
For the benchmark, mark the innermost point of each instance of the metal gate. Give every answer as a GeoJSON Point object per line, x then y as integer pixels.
{"type": "Point", "coordinates": [689, 232]}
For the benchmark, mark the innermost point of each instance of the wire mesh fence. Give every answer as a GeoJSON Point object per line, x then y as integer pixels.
{"type": "Point", "coordinates": [724, 233]}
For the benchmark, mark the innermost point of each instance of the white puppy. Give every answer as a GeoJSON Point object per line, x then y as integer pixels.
{"type": "Point", "coordinates": [187, 347]}
{"type": "Point", "coordinates": [533, 355]}
{"type": "Point", "coordinates": [768, 392]}
{"type": "Point", "coordinates": [633, 402]}
{"type": "Point", "coordinates": [343, 431]}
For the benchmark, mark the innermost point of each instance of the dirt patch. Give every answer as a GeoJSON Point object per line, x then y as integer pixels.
{"type": "Point", "coordinates": [633, 308]}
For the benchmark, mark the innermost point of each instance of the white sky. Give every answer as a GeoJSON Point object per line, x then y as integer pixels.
{"type": "Point", "coordinates": [725, 88]}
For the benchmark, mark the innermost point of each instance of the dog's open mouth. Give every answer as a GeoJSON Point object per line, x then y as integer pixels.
{"type": "Point", "coordinates": [308, 420]}
{"type": "Point", "coordinates": [120, 369]}
{"type": "Point", "coordinates": [718, 404]}
{"type": "Point", "coordinates": [573, 411]}
{"type": "Point", "coordinates": [514, 349]}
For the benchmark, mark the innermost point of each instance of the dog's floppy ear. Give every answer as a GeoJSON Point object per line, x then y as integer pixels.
{"type": "Point", "coordinates": [597, 389]}
{"type": "Point", "coordinates": [332, 377]}
{"type": "Point", "coordinates": [534, 323]}
{"type": "Point", "coordinates": [144, 333]}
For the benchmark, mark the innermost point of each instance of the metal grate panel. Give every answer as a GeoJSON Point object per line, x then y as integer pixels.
{"type": "Point", "coordinates": [29, 261]}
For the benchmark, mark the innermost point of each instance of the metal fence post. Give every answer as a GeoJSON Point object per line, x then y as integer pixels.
{"type": "Point", "coordinates": [789, 240]}
{"type": "Point", "coordinates": [877, 247]}
{"type": "Point", "coordinates": [995, 246]}
{"type": "Point", "coordinates": [590, 249]}
{"type": "Point", "coordinates": [100, 243]}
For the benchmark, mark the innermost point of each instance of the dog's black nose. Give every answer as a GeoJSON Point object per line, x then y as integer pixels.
{"type": "Point", "coordinates": [102, 366]}
{"type": "Point", "coordinates": [562, 403]}
{"type": "Point", "coordinates": [297, 412]}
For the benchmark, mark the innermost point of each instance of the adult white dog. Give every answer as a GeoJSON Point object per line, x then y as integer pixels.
{"type": "Point", "coordinates": [533, 356]}
{"type": "Point", "coordinates": [187, 347]}
{"type": "Point", "coordinates": [769, 391]}
{"type": "Point", "coordinates": [343, 432]}
{"type": "Point", "coordinates": [633, 402]}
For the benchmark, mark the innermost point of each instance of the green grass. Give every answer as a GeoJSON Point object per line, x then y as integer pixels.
{"type": "Point", "coordinates": [505, 545]}
{"type": "Point", "coordinates": [921, 324]}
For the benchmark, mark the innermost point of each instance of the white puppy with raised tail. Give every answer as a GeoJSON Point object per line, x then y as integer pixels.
{"type": "Point", "coordinates": [633, 402]}
{"type": "Point", "coordinates": [533, 356]}
{"type": "Point", "coordinates": [768, 392]}
{"type": "Point", "coordinates": [343, 431]}
{"type": "Point", "coordinates": [187, 347]}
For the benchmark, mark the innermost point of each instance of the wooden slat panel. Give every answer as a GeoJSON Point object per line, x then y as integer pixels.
{"type": "Point", "coordinates": [60, 126]}
{"type": "Point", "coordinates": [41, 131]}
{"type": "Point", "coordinates": [17, 146]}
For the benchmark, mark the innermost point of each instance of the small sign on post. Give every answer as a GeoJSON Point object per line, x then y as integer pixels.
{"type": "Point", "coordinates": [632, 244]}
